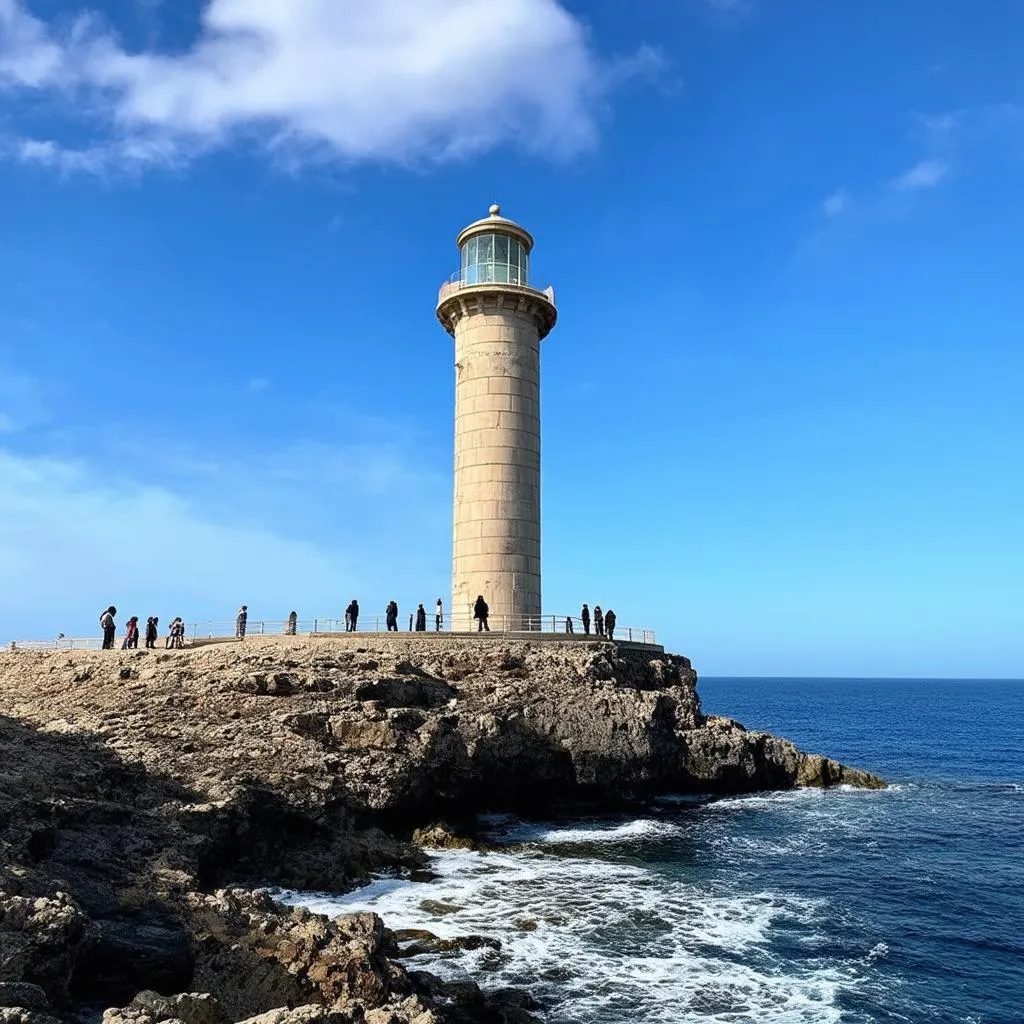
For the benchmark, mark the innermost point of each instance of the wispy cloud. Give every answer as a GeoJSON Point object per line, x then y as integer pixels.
{"type": "Point", "coordinates": [277, 529]}
{"type": "Point", "coordinates": [258, 385]}
{"type": "Point", "coordinates": [314, 80]}
{"type": "Point", "coordinates": [836, 203]}
{"type": "Point", "coordinates": [925, 174]}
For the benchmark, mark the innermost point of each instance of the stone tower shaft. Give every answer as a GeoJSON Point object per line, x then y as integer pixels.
{"type": "Point", "coordinates": [498, 322]}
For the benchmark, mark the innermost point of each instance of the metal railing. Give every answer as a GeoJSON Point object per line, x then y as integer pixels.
{"type": "Point", "coordinates": [498, 625]}
{"type": "Point", "coordinates": [466, 279]}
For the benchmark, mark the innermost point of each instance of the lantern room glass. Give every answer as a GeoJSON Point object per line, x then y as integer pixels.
{"type": "Point", "coordinates": [495, 259]}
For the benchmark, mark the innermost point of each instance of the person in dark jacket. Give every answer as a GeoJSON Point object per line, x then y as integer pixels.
{"type": "Point", "coordinates": [609, 624]}
{"type": "Point", "coordinates": [568, 625]}
{"type": "Point", "coordinates": [585, 616]}
{"type": "Point", "coordinates": [391, 616]}
{"type": "Point", "coordinates": [293, 624]}
{"type": "Point", "coordinates": [480, 613]}
{"type": "Point", "coordinates": [152, 630]}
{"type": "Point", "coordinates": [421, 619]}
{"type": "Point", "coordinates": [352, 615]}
{"type": "Point", "coordinates": [240, 621]}
{"type": "Point", "coordinates": [598, 620]}
{"type": "Point", "coordinates": [109, 628]}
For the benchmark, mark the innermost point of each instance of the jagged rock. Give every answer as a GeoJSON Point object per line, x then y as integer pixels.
{"type": "Point", "coordinates": [440, 836]}
{"type": "Point", "coordinates": [302, 1015]}
{"type": "Point", "coordinates": [23, 995]}
{"type": "Point", "coordinates": [39, 941]}
{"type": "Point", "coordinates": [18, 1015]}
{"type": "Point", "coordinates": [258, 955]}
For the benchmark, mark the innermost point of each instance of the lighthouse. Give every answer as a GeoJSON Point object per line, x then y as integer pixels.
{"type": "Point", "coordinates": [498, 320]}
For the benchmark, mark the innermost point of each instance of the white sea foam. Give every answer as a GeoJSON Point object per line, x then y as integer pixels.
{"type": "Point", "coordinates": [599, 832]}
{"type": "Point", "coordinates": [603, 941]}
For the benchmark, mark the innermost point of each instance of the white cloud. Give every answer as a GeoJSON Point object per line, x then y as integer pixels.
{"type": "Point", "coordinates": [834, 205]}
{"type": "Point", "coordinates": [391, 80]}
{"type": "Point", "coordinates": [926, 174]}
{"type": "Point", "coordinates": [258, 385]}
{"type": "Point", "coordinates": [74, 538]}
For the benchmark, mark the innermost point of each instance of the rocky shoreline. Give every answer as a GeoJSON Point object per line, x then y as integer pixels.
{"type": "Point", "coordinates": [146, 795]}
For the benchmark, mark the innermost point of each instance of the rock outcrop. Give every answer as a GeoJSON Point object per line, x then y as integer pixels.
{"type": "Point", "coordinates": [137, 784]}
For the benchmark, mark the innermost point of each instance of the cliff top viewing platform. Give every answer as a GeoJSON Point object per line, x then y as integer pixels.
{"type": "Point", "coordinates": [546, 629]}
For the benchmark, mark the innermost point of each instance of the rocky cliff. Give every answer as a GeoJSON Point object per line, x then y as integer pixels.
{"type": "Point", "coordinates": [136, 785]}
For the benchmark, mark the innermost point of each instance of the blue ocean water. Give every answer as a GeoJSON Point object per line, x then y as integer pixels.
{"type": "Point", "coordinates": [900, 906]}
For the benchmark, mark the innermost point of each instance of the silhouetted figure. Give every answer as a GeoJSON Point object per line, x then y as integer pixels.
{"type": "Point", "coordinates": [131, 634]}
{"type": "Point", "coordinates": [568, 625]}
{"type": "Point", "coordinates": [480, 613]}
{"type": "Point", "coordinates": [421, 619]}
{"type": "Point", "coordinates": [240, 621]}
{"type": "Point", "coordinates": [293, 624]}
{"type": "Point", "coordinates": [585, 616]}
{"type": "Point", "coordinates": [598, 620]}
{"type": "Point", "coordinates": [152, 630]}
{"type": "Point", "coordinates": [391, 616]}
{"type": "Point", "coordinates": [178, 632]}
{"type": "Point", "coordinates": [109, 628]}
{"type": "Point", "coordinates": [609, 624]}
{"type": "Point", "coordinates": [410, 622]}
{"type": "Point", "coordinates": [352, 615]}
{"type": "Point", "coordinates": [438, 616]}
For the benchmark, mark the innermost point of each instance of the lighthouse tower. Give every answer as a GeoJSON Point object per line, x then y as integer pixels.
{"type": "Point", "coordinates": [497, 320]}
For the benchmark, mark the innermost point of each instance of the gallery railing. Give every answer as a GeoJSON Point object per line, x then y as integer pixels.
{"type": "Point", "coordinates": [225, 629]}
{"type": "Point", "coordinates": [463, 279]}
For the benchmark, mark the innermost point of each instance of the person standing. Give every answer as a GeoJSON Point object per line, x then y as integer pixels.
{"type": "Point", "coordinates": [438, 616]}
{"type": "Point", "coordinates": [480, 613]}
{"type": "Point", "coordinates": [598, 620]}
{"type": "Point", "coordinates": [421, 619]}
{"type": "Point", "coordinates": [131, 634]}
{"type": "Point", "coordinates": [391, 616]}
{"type": "Point", "coordinates": [609, 624]}
{"type": "Point", "coordinates": [585, 616]}
{"type": "Point", "coordinates": [178, 632]}
{"type": "Point", "coordinates": [152, 630]}
{"type": "Point", "coordinates": [109, 628]}
{"type": "Point", "coordinates": [568, 624]}
{"type": "Point", "coordinates": [352, 615]}
{"type": "Point", "coordinates": [293, 624]}
{"type": "Point", "coordinates": [240, 621]}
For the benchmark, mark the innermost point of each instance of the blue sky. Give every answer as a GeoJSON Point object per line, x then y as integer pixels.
{"type": "Point", "coordinates": [783, 413]}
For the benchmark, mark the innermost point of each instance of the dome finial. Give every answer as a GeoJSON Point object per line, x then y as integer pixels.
{"type": "Point", "coordinates": [495, 210]}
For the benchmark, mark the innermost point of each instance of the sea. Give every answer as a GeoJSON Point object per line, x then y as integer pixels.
{"type": "Point", "coordinates": [905, 905]}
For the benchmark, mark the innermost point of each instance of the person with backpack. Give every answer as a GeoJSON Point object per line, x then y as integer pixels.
{"type": "Point", "coordinates": [609, 624]}
{"type": "Point", "coordinates": [480, 613]}
{"type": "Point", "coordinates": [109, 628]}
{"type": "Point", "coordinates": [352, 615]}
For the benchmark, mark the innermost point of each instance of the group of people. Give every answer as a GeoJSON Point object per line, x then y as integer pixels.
{"type": "Point", "coordinates": [417, 619]}
{"type": "Point", "coordinates": [175, 632]}
{"type": "Point", "coordinates": [604, 622]}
